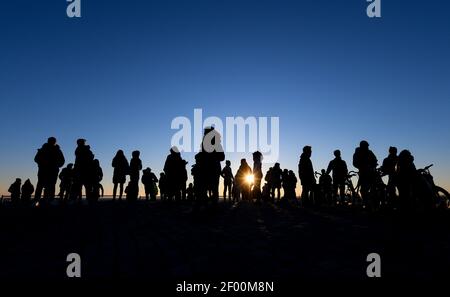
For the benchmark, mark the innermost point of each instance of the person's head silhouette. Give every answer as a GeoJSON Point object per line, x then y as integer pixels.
{"type": "Point", "coordinates": [81, 142]}
{"type": "Point", "coordinates": [364, 145]}
{"type": "Point", "coordinates": [51, 140]}
{"type": "Point", "coordinates": [307, 150]}
{"type": "Point", "coordinates": [337, 153]}
{"type": "Point", "coordinates": [257, 156]}
{"type": "Point", "coordinates": [405, 156]}
{"type": "Point", "coordinates": [393, 150]}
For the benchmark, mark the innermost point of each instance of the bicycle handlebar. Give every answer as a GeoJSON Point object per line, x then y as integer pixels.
{"type": "Point", "coordinates": [428, 167]}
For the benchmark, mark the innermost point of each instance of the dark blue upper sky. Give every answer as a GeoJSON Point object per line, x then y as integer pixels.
{"type": "Point", "coordinates": [121, 73]}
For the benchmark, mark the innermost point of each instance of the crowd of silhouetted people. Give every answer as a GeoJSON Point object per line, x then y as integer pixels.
{"type": "Point", "coordinates": [334, 186]}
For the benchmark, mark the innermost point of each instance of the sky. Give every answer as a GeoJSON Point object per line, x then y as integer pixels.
{"type": "Point", "coordinates": [122, 72]}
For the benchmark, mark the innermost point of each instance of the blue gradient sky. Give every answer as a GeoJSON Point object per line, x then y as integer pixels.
{"type": "Point", "coordinates": [121, 73]}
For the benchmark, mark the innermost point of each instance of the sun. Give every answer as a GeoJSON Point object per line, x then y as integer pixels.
{"type": "Point", "coordinates": [249, 179]}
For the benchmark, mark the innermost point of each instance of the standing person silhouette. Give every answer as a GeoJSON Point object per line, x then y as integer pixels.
{"type": "Point", "coordinates": [306, 175]}
{"type": "Point", "coordinates": [213, 154]}
{"type": "Point", "coordinates": [275, 179]}
{"type": "Point", "coordinates": [174, 172]}
{"type": "Point", "coordinates": [389, 168]}
{"type": "Point", "coordinates": [366, 162]}
{"type": "Point", "coordinates": [14, 190]}
{"type": "Point", "coordinates": [292, 184]}
{"type": "Point", "coordinates": [149, 181]}
{"type": "Point", "coordinates": [285, 182]}
{"type": "Point", "coordinates": [49, 159]}
{"type": "Point", "coordinates": [96, 177]}
{"type": "Point", "coordinates": [407, 180]}
{"type": "Point", "coordinates": [227, 175]}
{"type": "Point", "coordinates": [121, 169]}
{"type": "Point", "coordinates": [199, 173]}
{"type": "Point", "coordinates": [27, 191]}
{"type": "Point", "coordinates": [340, 172]}
{"type": "Point", "coordinates": [135, 168]}
{"type": "Point", "coordinates": [257, 175]}
{"type": "Point", "coordinates": [269, 184]}
{"type": "Point", "coordinates": [66, 181]}
{"type": "Point", "coordinates": [183, 178]}
{"type": "Point", "coordinates": [243, 185]}
{"type": "Point", "coordinates": [162, 186]}
{"type": "Point", "coordinates": [82, 169]}
{"type": "Point", "coordinates": [190, 192]}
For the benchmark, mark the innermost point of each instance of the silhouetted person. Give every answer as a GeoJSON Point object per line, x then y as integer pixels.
{"type": "Point", "coordinates": [266, 191]}
{"type": "Point", "coordinates": [326, 184]}
{"type": "Point", "coordinates": [340, 172]}
{"type": "Point", "coordinates": [195, 173]}
{"type": "Point", "coordinates": [235, 190]}
{"type": "Point", "coordinates": [289, 182]}
{"type": "Point", "coordinates": [199, 175]}
{"type": "Point", "coordinates": [66, 181]}
{"type": "Point", "coordinates": [407, 179]}
{"type": "Point", "coordinates": [101, 189]}
{"type": "Point", "coordinates": [366, 162]}
{"type": "Point", "coordinates": [269, 183]}
{"type": "Point", "coordinates": [306, 175]}
{"type": "Point", "coordinates": [275, 181]}
{"type": "Point", "coordinates": [132, 191]}
{"type": "Point", "coordinates": [285, 182]}
{"type": "Point", "coordinates": [174, 169]}
{"type": "Point", "coordinates": [96, 177]}
{"type": "Point", "coordinates": [183, 179]}
{"type": "Point", "coordinates": [190, 192]}
{"type": "Point", "coordinates": [149, 181]}
{"type": "Point", "coordinates": [82, 170]}
{"type": "Point", "coordinates": [242, 182]}
{"type": "Point", "coordinates": [292, 184]}
{"type": "Point", "coordinates": [257, 174]}
{"type": "Point", "coordinates": [121, 169]}
{"type": "Point", "coordinates": [227, 175]}
{"type": "Point", "coordinates": [49, 159]}
{"type": "Point", "coordinates": [211, 155]}
{"type": "Point", "coordinates": [389, 168]}
{"type": "Point", "coordinates": [135, 167]}
{"type": "Point", "coordinates": [27, 191]}
{"type": "Point", "coordinates": [14, 190]}
{"type": "Point", "coordinates": [163, 186]}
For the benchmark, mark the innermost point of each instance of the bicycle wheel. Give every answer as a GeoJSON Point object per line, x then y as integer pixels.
{"type": "Point", "coordinates": [443, 197]}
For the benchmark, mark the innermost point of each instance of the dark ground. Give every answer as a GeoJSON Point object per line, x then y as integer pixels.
{"type": "Point", "coordinates": [245, 241]}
